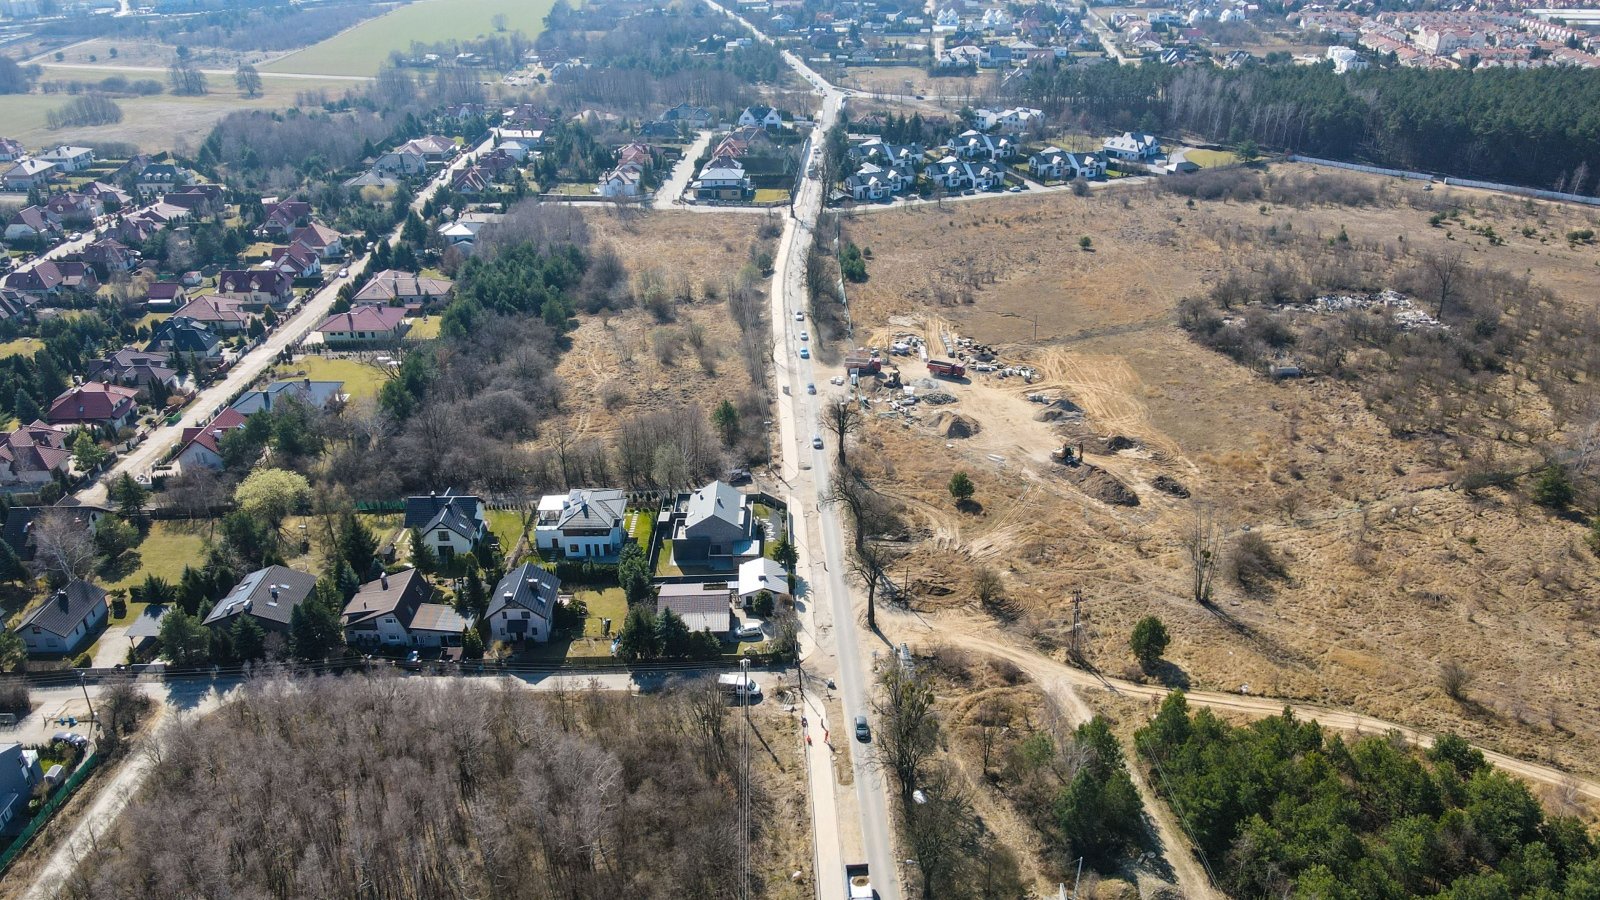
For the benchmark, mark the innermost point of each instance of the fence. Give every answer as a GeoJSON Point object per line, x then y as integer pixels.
{"type": "Point", "coordinates": [1519, 190]}
{"type": "Point", "coordinates": [61, 796]}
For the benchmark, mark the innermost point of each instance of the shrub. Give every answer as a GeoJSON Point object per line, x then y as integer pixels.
{"type": "Point", "coordinates": [1255, 565]}
{"type": "Point", "coordinates": [1149, 640]}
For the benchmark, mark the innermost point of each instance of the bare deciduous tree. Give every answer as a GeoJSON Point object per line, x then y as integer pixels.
{"type": "Point", "coordinates": [64, 545]}
{"type": "Point", "coordinates": [842, 417]}
{"type": "Point", "coordinates": [1204, 545]}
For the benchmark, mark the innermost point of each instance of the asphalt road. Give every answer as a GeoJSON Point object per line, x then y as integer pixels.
{"type": "Point", "coordinates": [164, 439]}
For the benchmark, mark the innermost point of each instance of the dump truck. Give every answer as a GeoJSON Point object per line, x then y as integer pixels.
{"type": "Point", "coordinates": [946, 368]}
{"type": "Point", "coordinates": [858, 886]}
{"type": "Point", "coordinates": [863, 363]}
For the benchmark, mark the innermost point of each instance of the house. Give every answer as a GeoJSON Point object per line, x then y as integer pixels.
{"type": "Point", "coordinates": [19, 772]}
{"type": "Point", "coordinates": [1055, 164]}
{"type": "Point", "coordinates": [401, 161]}
{"type": "Point", "coordinates": [371, 179]}
{"type": "Point", "coordinates": [449, 523]}
{"type": "Point", "coordinates": [585, 523]}
{"type": "Point", "coordinates": [702, 606]}
{"type": "Point", "coordinates": [972, 144]}
{"type": "Point", "coordinates": [523, 605]}
{"type": "Point", "coordinates": [722, 179]}
{"type": "Point", "coordinates": [138, 369]}
{"type": "Point", "coordinates": [297, 261]}
{"type": "Point", "coordinates": [399, 611]}
{"type": "Point", "coordinates": [762, 574]}
{"type": "Point", "coordinates": [1135, 146]}
{"type": "Point", "coordinates": [623, 181]}
{"type": "Point", "coordinates": [761, 116]}
{"type": "Point", "coordinates": [49, 278]}
{"type": "Point", "coordinates": [95, 403]}
{"type": "Point", "coordinates": [949, 173]}
{"type": "Point", "coordinates": [903, 158]}
{"type": "Point", "coordinates": [159, 178]}
{"type": "Point", "coordinates": [267, 595]}
{"type": "Point", "coordinates": [32, 455]}
{"type": "Point", "coordinates": [219, 314]}
{"type": "Point", "coordinates": [872, 183]}
{"type": "Point", "coordinates": [717, 523]}
{"type": "Point", "coordinates": [74, 208]}
{"type": "Point", "coordinates": [1014, 120]}
{"type": "Point", "coordinates": [186, 338]}
{"type": "Point", "coordinates": [110, 254]}
{"type": "Point", "coordinates": [32, 222]}
{"type": "Point", "coordinates": [65, 619]}
{"type": "Point", "coordinates": [109, 195]}
{"type": "Point", "coordinates": [198, 199]}
{"type": "Point", "coordinates": [364, 324]}
{"type": "Point", "coordinates": [315, 394]}
{"type": "Point", "coordinates": [256, 286]}
{"type": "Point", "coordinates": [397, 288]}
{"type": "Point", "coordinates": [201, 446]}
{"type": "Point", "coordinates": [690, 116]}
{"type": "Point", "coordinates": [165, 295]}
{"type": "Point", "coordinates": [321, 239]}
{"type": "Point", "coordinates": [27, 174]}
{"type": "Point", "coordinates": [11, 150]}
{"type": "Point", "coordinates": [285, 216]}
{"type": "Point", "coordinates": [69, 159]}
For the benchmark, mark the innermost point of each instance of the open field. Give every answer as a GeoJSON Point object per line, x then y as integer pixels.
{"type": "Point", "coordinates": [170, 545]}
{"type": "Point", "coordinates": [1391, 571]}
{"type": "Point", "coordinates": [362, 49]}
{"type": "Point", "coordinates": [913, 80]}
{"type": "Point", "coordinates": [23, 346]}
{"type": "Point", "coordinates": [154, 123]}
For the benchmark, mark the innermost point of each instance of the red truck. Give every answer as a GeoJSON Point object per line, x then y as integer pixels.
{"type": "Point", "coordinates": [863, 364]}
{"type": "Point", "coordinates": [946, 368]}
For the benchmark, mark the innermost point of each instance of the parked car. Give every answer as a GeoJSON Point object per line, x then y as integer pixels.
{"type": "Point", "coordinates": [816, 441]}
{"type": "Point", "coordinates": [805, 353]}
{"type": "Point", "coordinates": [344, 273]}
{"type": "Point", "coordinates": [805, 335]}
{"type": "Point", "coordinates": [811, 388]}
{"type": "Point", "coordinates": [747, 632]}
{"type": "Point", "coordinates": [863, 730]}
{"type": "Point", "coordinates": [72, 738]}
{"type": "Point", "coordinates": [799, 316]}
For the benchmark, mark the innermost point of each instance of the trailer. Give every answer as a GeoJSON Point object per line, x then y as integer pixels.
{"type": "Point", "coordinates": [946, 368]}
{"type": "Point", "coordinates": [858, 885]}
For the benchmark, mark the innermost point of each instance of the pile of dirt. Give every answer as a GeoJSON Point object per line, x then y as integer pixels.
{"type": "Point", "coordinates": [1100, 484]}
{"type": "Point", "coordinates": [1118, 442]}
{"type": "Point", "coordinates": [1166, 484]}
{"type": "Point", "coordinates": [937, 398]}
{"type": "Point", "coordinates": [1059, 410]}
{"type": "Point", "coordinates": [955, 425]}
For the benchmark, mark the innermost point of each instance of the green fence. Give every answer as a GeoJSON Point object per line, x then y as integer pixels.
{"type": "Point", "coordinates": [61, 796]}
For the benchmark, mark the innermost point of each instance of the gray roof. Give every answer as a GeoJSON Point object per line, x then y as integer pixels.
{"type": "Point", "coordinates": [148, 625]}
{"type": "Point", "coordinates": [717, 501]}
{"type": "Point", "coordinates": [599, 508]}
{"type": "Point", "coordinates": [701, 606]}
{"type": "Point", "coordinates": [312, 393]}
{"type": "Point", "coordinates": [528, 587]}
{"type": "Point", "coordinates": [67, 608]}
{"type": "Point", "coordinates": [437, 617]}
{"type": "Point", "coordinates": [269, 594]}
{"type": "Point", "coordinates": [423, 511]}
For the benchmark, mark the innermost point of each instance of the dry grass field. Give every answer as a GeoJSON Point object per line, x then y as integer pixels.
{"type": "Point", "coordinates": [613, 369]}
{"type": "Point", "coordinates": [1393, 572]}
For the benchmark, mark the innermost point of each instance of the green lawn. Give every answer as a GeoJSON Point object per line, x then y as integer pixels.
{"type": "Point", "coordinates": [424, 329]}
{"type": "Point", "coordinates": [360, 380]}
{"type": "Point", "coordinates": [611, 604]}
{"type": "Point", "coordinates": [640, 525]}
{"type": "Point", "coordinates": [771, 195]}
{"type": "Point", "coordinates": [1205, 159]}
{"type": "Point", "coordinates": [507, 526]}
{"type": "Point", "coordinates": [168, 547]}
{"type": "Point", "coordinates": [664, 565]}
{"type": "Point", "coordinates": [25, 346]}
{"type": "Point", "coordinates": [360, 50]}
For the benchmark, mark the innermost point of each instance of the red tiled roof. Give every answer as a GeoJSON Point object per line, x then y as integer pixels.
{"type": "Point", "coordinates": [210, 434]}
{"type": "Point", "coordinates": [92, 402]}
{"type": "Point", "coordinates": [363, 318]}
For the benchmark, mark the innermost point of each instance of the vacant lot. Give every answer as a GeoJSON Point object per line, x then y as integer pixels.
{"type": "Point", "coordinates": [1392, 571]}
{"type": "Point", "coordinates": [361, 379]}
{"type": "Point", "coordinates": [362, 49]}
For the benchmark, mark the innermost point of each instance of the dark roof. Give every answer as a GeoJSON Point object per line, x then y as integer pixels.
{"type": "Point", "coordinates": [421, 511]}
{"type": "Point", "coordinates": [18, 527]}
{"type": "Point", "coordinates": [593, 509]}
{"type": "Point", "coordinates": [67, 608]}
{"type": "Point", "coordinates": [269, 594]}
{"type": "Point", "coordinates": [699, 605]}
{"type": "Point", "coordinates": [715, 501]}
{"type": "Point", "coordinates": [529, 587]}
{"type": "Point", "coordinates": [453, 518]}
{"type": "Point", "coordinates": [399, 595]}
{"type": "Point", "coordinates": [148, 625]}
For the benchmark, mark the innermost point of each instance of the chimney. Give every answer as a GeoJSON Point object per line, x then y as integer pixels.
{"type": "Point", "coordinates": [384, 580]}
{"type": "Point", "coordinates": [61, 600]}
{"type": "Point", "coordinates": [274, 593]}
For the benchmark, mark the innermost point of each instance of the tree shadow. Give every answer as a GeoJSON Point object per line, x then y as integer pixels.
{"type": "Point", "coordinates": [126, 563]}
{"type": "Point", "coordinates": [1169, 674]}
{"type": "Point", "coordinates": [970, 507]}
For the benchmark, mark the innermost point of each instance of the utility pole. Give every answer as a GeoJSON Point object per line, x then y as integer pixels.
{"type": "Point", "coordinates": [85, 687]}
{"type": "Point", "coordinates": [1076, 651]}
{"type": "Point", "coordinates": [744, 766]}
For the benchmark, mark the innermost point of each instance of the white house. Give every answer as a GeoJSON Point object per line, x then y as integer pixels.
{"type": "Point", "coordinates": [1137, 146]}
{"type": "Point", "coordinates": [449, 523]}
{"type": "Point", "coordinates": [722, 179]}
{"type": "Point", "coordinates": [69, 159]}
{"type": "Point", "coordinates": [29, 173]}
{"type": "Point", "coordinates": [399, 611]}
{"type": "Point", "coordinates": [523, 605]}
{"type": "Point", "coordinates": [581, 524]}
{"type": "Point", "coordinates": [65, 620]}
{"type": "Point", "coordinates": [202, 445]}
{"type": "Point", "coordinates": [762, 574]}
{"type": "Point", "coordinates": [971, 144]}
{"type": "Point", "coordinates": [1346, 60]}
{"type": "Point", "coordinates": [1053, 163]}
{"type": "Point", "coordinates": [764, 116]}
{"type": "Point", "coordinates": [872, 182]}
{"type": "Point", "coordinates": [364, 324]}
{"type": "Point", "coordinates": [623, 181]}
{"type": "Point", "coordinates": [1015, 119]}
{"type": "Point", "coordinates": [949, 172]}
{"type": "Point", "coordinates": [401, 161]}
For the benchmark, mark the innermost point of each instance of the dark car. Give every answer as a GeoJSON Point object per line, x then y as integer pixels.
{"type": "Point", "coordinates": [863, 730]}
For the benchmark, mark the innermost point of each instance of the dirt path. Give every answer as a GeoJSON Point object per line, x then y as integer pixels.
{"type": "Point", "coordinates": [971, 634]}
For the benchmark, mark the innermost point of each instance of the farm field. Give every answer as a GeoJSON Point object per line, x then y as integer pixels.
{"type": "Point", "coordinates": [362, 49]}
{"type": "Point", "coordinates": [1379, 543]}
{"type": "Point", "coordinates": [154, 123]}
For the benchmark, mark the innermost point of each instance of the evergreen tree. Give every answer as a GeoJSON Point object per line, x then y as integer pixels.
{"type": "Point", "coordinates": [11, 567]}
{"type": "Point", "coordinates": [25, 408]}
{"type": "Point", "coordinates": [356, 543]}
{"type": "Point", "coordinates": [637, 639]}
{"type": "Point", "coordinates": [314, 625]}
{"type": "Point", "coordinates": [672, 635]}
{"type": "Point", "coordinates": [184, 640]}
{"type": "Point", "coordinates": [249, 639]}
{"type": "Point", "coordinates": [633, 573]}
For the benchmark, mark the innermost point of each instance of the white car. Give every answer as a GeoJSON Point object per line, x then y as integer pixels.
{"type": "Point", "coordinates": [804, 336]}
{"type": "Point", "coordinates": [816, 441]}
{"type": "Point", "coordinates": [344, 273]}
{"type": "Point", "coordinates": [799, 316]}
{"type": "Point", "coordinates": [748, 632]}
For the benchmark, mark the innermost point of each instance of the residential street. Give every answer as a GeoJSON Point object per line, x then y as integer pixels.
{"type": "Point", "coordinates": [213, 399]}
